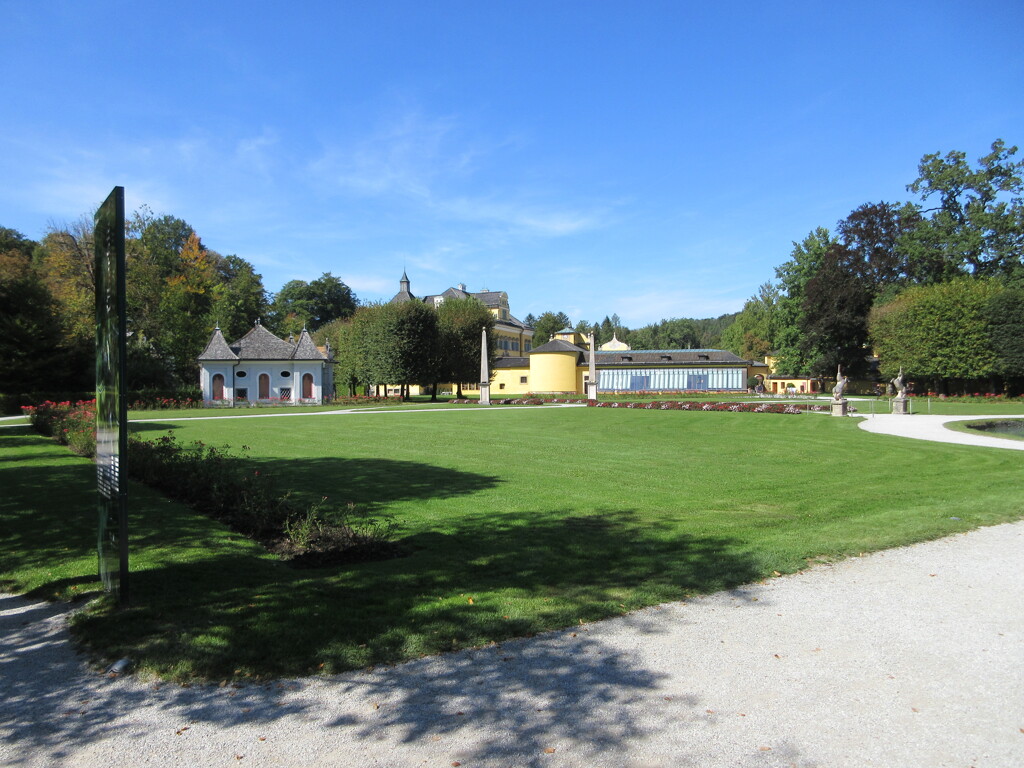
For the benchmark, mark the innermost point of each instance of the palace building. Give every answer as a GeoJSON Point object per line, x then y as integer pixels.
{"type": "Point", "coordinates": [513, 337]}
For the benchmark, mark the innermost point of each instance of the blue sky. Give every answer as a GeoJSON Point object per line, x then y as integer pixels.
{"type": "Point", "coordinates": [650, 159]}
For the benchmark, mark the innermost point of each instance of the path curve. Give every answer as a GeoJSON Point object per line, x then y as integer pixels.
{"type": "Point", "coordinates": [930, 427]}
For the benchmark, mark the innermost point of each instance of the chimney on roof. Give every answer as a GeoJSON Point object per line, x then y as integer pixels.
{"type": "Point", "coordinates": [462, 287]}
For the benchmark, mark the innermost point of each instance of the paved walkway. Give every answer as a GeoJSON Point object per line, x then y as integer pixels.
{"type": "Point", "coordinates": [926, 427]}
{"type": "Point", "coordinates": [907, 657]}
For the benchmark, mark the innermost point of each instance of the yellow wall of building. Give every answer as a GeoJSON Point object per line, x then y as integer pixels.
{"type": "Point", "coordinates": [506, 382]}
{"type": "Point", "coordinates": [516, 350]}
{"type": "Point", "coordinates": [555, 372]}
{"type": "Point", "coordinates": [799, 386]}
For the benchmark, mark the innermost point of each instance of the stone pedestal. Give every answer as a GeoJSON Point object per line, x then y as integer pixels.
{"type": "Point", "coordinates": [591, 390]}
{"type": "Point", "coordinates": [839, 407]}
{"type": "Point", "coordinates": [485, 393]}
{"type": "Point", "coordinates": [901, 405]}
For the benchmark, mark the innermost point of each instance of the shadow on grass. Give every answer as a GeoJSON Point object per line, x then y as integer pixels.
{"type": "Point", "coordinates": [372, 483]}
{"type": "Point", "coordinates": [207, 603]}
{"type": "Point", "coordinates": [229, 614]}
{"type": "Point", "coordinates": [13, 438]}
{"type": "Point", "coordinates": [221, 612]}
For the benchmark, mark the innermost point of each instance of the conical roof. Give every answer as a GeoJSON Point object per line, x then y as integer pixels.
{"type": "Point", "coordinates": [305, 349]}
{"type": "Point", "coordinates": [217, 348]}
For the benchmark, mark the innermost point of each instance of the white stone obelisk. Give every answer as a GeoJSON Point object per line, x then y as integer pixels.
{"type": "Point", "coordinates": [485, 374]}
{"type": "Point", "coordinates": [592, 379]}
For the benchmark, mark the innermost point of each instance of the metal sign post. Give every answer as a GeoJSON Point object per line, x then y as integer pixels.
{"type": "Point", "coordinates": [111, 406]}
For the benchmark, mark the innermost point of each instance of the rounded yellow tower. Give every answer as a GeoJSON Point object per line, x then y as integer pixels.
{"type": "Point", "coordinates": [554, 367]}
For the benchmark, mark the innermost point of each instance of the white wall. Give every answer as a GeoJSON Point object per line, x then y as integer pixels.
{"type": "Point", "coordinates": [247, 376]}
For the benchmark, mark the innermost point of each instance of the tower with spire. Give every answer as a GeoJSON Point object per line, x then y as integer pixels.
{"type": "Point", "coordinates": [404, 294]}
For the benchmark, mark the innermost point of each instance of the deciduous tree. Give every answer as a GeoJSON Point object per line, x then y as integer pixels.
{"type": "Point", "coordinates": [241, 298]}
{"type": "Point", "coordinates": [300, 304]}
{"type": "Point", "coordinates": [31, 336]}
{"type": "Point", "coordinates": [804, 262]}
{"type": "Point", "coordinates": [185, 309]}
{"type": "Point", "coordinates": [975, 222]}
{"type": "Point", "coordinates": [459, 324]}
{"type": "Point", "coordinates": [547, 325]}
{"type": "Point", "coordinates": [938, 332]}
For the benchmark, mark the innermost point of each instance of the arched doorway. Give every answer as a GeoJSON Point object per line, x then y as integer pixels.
{"type": "Point", "coordinates": [307, 386]}
{"type": "Point", "coordinates": [264, 386]}
{"type": "Point", "coordinates": [218, 386]}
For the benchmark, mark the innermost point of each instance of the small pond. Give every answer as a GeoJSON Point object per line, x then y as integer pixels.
{"type": "Point", "coordinates": [1012, 427]}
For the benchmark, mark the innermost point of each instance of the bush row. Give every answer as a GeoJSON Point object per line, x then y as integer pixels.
{"type": "Point", "coordinates": [142, 399]}
{"type": "Point", "coordinates": [212, 481]}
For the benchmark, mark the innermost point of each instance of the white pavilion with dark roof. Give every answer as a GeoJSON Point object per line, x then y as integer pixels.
{"type": "Point", "coordinates": [263, 368]}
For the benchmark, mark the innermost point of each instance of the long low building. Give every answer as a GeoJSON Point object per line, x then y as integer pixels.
{"type": "Point", "coordinates": [563, 366]}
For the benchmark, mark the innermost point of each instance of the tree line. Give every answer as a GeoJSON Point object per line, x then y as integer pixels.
{"type": "Point", "coordinates": [409, 342]}
{"type": "Point", "coordinates": [674, 333]}
{"type": "Point", "coordinates": [934, 286]}
{"type": "Point", "coordinates": [177, 291]}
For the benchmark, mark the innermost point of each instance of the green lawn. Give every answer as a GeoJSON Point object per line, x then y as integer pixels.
{"type": "Point", "coordinates": [517, 521]}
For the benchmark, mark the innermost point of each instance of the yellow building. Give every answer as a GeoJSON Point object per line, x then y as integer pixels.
{"type": "Point", "coordinates": [562, 366]}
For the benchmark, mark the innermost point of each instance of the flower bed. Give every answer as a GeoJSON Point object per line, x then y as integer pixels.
{"type": "Point", "coordinates": [651, 405]}
{"type": "Point", "coordinates": [70, 424]}
{"type": "Point", "coordinates": [689, 405]}
{"type": "Point", "coordinates": [525, 401]}
{"type": "Point", "coordinates": [366, 400]}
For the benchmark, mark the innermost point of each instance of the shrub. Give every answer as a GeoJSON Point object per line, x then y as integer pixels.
{"type": "Point", "coordinates": [213, 482]}
{"type": "Point", "coordinates": [70, 424]}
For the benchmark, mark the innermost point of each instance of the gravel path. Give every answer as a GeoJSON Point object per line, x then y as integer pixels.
{"type": "Point", "coordinates": [908, 657]}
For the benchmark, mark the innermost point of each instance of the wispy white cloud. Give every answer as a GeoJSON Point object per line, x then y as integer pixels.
{"type": "Point", "coordinates": [430, 163]}
{"type": "Point", "coordinates": [523, 218]}
{"type": "Point", "coordinates": [404, 157]}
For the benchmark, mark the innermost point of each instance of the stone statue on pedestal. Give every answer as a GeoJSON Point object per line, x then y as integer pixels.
{"type": "Point", "coordinates": [900, 385]}
{"type": "Point", "coordinates": [839, 403]}
{"type": "Point", "coordinates": [899, 403]}
{"type": "Point", "coordinates": [840, 387]}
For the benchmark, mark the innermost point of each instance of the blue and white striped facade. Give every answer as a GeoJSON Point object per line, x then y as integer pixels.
{"type": "Point", "coordinates": [643, 379]}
